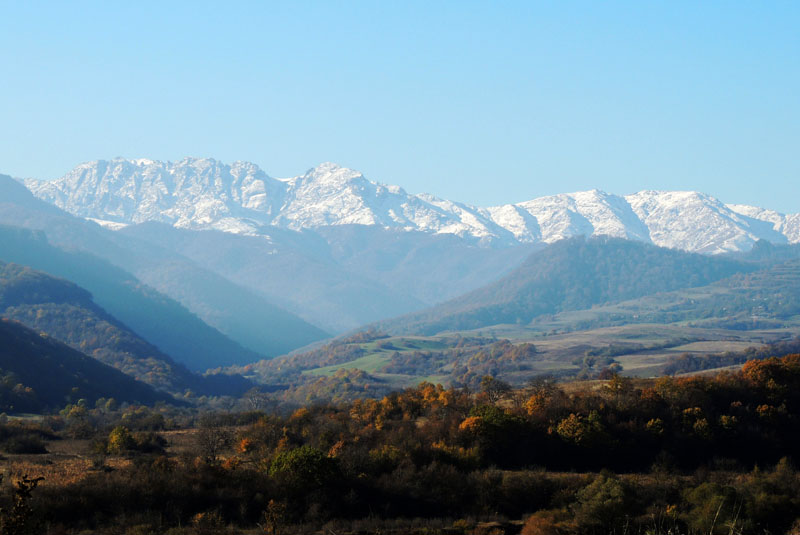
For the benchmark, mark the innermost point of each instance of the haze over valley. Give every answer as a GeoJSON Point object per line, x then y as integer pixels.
{"type": "Point", "coordinates": [230, 266]}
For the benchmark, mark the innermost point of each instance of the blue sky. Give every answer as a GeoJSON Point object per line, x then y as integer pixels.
{"type": "Point", "coordinates": [484, 102]}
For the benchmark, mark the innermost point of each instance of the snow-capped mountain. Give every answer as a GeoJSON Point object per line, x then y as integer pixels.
{"type": "Point", "coordinates": [241, 198]}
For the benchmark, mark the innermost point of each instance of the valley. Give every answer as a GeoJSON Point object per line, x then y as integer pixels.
{"type": "Point", "coordinates": [399, 268]}
{"type": "Point", "coordinates": [223, 352]}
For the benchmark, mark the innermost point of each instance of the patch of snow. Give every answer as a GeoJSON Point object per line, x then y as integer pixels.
{"type": "Point", "coordinates": [111, 225]}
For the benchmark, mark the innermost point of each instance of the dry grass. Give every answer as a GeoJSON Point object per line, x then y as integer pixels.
{"type": "Point", "coordinates": [55, 471]}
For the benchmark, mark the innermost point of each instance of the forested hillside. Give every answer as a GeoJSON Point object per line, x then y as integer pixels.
{"type": "Point", "coordinates": [571, 275]}
{"type": "Point", "coordinates": [40, 373]}
{"type": "Point", "coordinates": [153, 316]}
{"type": "Point", "coordinates": [767, 298]}
{"type": "Point", "coordinates": [67, 313]}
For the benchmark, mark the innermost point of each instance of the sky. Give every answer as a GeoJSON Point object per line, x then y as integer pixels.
{"type": "Point", "coordinates": [481, 102]}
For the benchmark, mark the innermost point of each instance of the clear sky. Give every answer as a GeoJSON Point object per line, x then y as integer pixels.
{"type": "Point", "coordinates": [484, 102]}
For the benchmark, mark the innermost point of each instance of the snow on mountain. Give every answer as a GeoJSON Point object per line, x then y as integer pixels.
{"type": "Point", "coordinates": [785, 225]}
{"type": "Point", "coordinates": [585, 212]}
{"type": "Point", "coordinates": [692, 221]}
{"type": "Point", "coordinates": [192, 193]}
{"type": "Point", "coordinates": [240, 198]}
{"type": "Point", "coordinates": [791, 228]}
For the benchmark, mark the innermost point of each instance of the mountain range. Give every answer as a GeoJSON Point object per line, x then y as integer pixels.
{"type": "Point", "coordinates": [277, 263]}
{"type": "Point", "coordinates": [162, 270]}
{"type": "Point", "coordinates": [240, 198]}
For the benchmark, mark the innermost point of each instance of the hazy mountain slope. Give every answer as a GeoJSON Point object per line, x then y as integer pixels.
{"type": "Point", "coordinates": [570, 275]}
{"type": "Point", "coordinates": [238, 313]}
{"type": "Point", "coordinates": [51, 374]}
{"type": "Point", "coordinates": [251, 318]}
{"type": "Point", "coordinates": [240, 198]}
{"type": "Point", "coordinates": [342, 276]}
{"type": "Point", "coordinates": [292, 269]}
{"type": "Point", "coordinates": [67, 313]}
{"type": "Point", "coordinates": [762, 299]}
{"type": "Point", "coordinates": [428, 267]}
{"type": "Point", "coordinates": [151, 315]}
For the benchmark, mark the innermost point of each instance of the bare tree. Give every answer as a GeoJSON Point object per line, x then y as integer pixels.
{"type": "Point", "coordinates": [495, 389]}
{"type": "Point", "coordinates": [256, 400]}
{"type": "Point", "coordinates": [213, 438]}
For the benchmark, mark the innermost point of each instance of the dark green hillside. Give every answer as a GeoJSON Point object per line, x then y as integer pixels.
{"type": "Point", "coordinates": [572, 274]}
{"type": "Point", "coordinates": [153, 316]}
{"type": "Point", "coordinates": [38, 372]}
{"type": "Point", "coordinates": [67, 313]}
{"type": "Point", "coordinates": [763, 299]}
{"type": "Point", "coordinates": [21, 286]}
{"type": "Point", "coordinates": [738, 302]}
{"type": "Point", "coordinates": [766, 253]}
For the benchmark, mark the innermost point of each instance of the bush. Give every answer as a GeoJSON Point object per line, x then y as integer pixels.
{"type": "Point", "coordinates": [29, 443]}
{"type": "Point", "coordinates": [120, 440]}
{"type": "Point", "coordinates": [305, 466]}
{"type": "Point", "coordinates": [553, 522]}
{"type": "Point", "coordinates": [603, 503]}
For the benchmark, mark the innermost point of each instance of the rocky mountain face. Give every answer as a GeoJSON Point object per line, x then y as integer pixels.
{"type": "Point", "coordinates": [240, 198]}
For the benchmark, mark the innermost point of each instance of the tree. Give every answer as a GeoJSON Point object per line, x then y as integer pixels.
{"type": "Point", "coordinates": [305, 466]}
{"type": "Point", "coordinates": [274, 517]}
{"type": "Point", "coordinates": [212, 439]}
{"type": "Point", "coordinates": [494, 389]}
{"type": "Point", "coordinates": [602, 503]}
{"type": "Point", "coordinates": [20, 520]}
{"type": "Point", "coordinates": [120, 440]}
{"type": "Point", "coordinates": [257, 400]}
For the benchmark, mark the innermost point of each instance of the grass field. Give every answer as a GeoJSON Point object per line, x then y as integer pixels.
{"type": "Point", "coordinates": [641, 349]}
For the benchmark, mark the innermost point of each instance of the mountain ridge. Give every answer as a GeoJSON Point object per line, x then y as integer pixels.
{"type": "Point", "coordinates": [67, 313]}
{"type": "Point", "coordinates": [572, 274]}
{"type": "Point", "coordinates": [203, 193]}
{"type": "Point", "coordinates": [50, 374]}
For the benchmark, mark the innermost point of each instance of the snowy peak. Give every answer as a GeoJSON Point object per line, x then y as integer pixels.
{"type": "Point", "coordinates": [203, 193]}
{"type": "Point", "coordinates": [327, 195]}
{"type": "Point", "coordinates": [191, 193]}
{"type": "Point", "coordinates": [697, 222]}
{"type": "Point", "coordinates": [772, 224]}
{"type": "Point", "coordinates": [586, 212]}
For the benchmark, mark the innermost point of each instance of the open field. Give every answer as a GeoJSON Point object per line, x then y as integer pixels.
{"type": "Point", "coordinates": [641, 349]}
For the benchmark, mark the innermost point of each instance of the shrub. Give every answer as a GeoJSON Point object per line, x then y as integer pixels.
{"type": "Point", "coordinates": [305, 466]}
{"type": "Point", "coordinates": [120, 440]}
{"type": "Point", "coordinates": [29, 443]}
{"type": "Point", "coordinates": [603, 503]}
{"type": "Point", "coordinates": [549, 522]}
